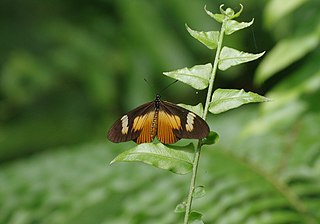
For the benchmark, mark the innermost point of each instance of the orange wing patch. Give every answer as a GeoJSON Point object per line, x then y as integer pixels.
{"type": "Point", "coordinates": [166, 124]}
{"type": "Point", "coordinates": [144, 123]}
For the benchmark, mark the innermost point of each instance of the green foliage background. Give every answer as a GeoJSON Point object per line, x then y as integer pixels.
{"type": "Point", "coordinates": [69, 68]}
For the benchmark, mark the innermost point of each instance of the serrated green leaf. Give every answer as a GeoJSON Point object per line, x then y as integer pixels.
{"type": "Point", "coordinates": [209, 39]}
{"type": "Point", "coordinates": [231, 57]}
{"type": "Point", "coordinates": [232, 26]}
{"type": "Point", "coordinates": [197, 109]}
{"type": "Point", "coordinates": [225, 14]}
{"type": "Point", "coordinates": [226, 99]}
{"type": "Point", "coordinates": [161, 156]}
{"type": "Point", "coordinates": [217, 17]}
{"type": "Point", "coordinates": [180, 208]}
{"type": "Point", "coordinates": [195, 218]}
{"type": "Point", "coordinates": [196, 76]}
{"type": "Point", "coordinates": [211, 139]}
{"type": "Point", "coordinates": [199, 192]}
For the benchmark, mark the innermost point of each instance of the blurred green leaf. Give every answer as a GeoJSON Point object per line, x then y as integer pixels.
{"type": "Point", "coordinates": [195, 218]}
{"type": "Point", "coordinates": [161, 156]}
{"type": "Point", "coordinates": [196, 76]}
{"type": "Point", "coordinates": [211, 139]}
{"type": "Point", "coordinates": [231, 57]}
{"type": "Point", "coordinates": [180, 208]}
{"type": "Point", "coordinates": [199, 192]}
{"type": "Point", "coordinates": [275, 10]}
{"type": "Point", "coordinates": [209, 39]}
{"type": "Point", "coordinates": [227, 99]}
{"type": "Point", "coordinates": [288, 105]}
{"type": "Point", "coordinates": [281, 117]}
{"type": "Point", "coordinates": [285, 53]}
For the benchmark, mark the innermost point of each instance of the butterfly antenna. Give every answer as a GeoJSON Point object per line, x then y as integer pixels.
{"type": "Point", "coordinates": [152, 87]}
{"type": "Point", "coordinates": [168, 86]}
{"type": "Point", "coordinates": [147, 82]}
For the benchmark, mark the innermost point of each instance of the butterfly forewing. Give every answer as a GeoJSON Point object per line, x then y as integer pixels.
{"type": "Point", "coordinates": [131, 125]}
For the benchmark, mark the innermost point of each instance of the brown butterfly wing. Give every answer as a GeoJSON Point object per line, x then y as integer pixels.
{"type": "Point", "coordinates": [175, 122]}
{"type": "Point", "coordinates": [135, 125]}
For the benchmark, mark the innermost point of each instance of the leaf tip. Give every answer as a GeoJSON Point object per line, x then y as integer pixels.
{"type": "Point", "coordinates": [221, 8]}
{"type": "Point", "coordinates": [188, 28]}
{"type": "Point", "coordinates": [266, 99]}
{"type": "Point", "coordinates": [241, 8]}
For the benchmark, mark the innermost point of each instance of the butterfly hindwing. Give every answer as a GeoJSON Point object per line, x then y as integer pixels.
{"type": "Point", "coordinates": [191, 126]}
{"type": "Point", "coordinates": [133, 125]}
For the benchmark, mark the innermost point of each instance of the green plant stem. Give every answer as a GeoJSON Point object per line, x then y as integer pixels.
{"type": "Point", "coordinates": [193, 182]}
{"type": "Point", "coordinates": [206, 108]}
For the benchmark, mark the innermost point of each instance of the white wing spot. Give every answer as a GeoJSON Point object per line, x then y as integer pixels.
{"type": "Point", "coordinates": [190, 121]}
{"type": "Point", "coordinates": [124, 123]}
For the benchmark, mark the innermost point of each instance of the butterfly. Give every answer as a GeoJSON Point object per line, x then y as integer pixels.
{"type": "Point", "coordinates": [164, 120]}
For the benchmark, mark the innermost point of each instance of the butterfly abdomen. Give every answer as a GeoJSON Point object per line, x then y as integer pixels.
{"type": "Point", "coordinates": [154, 125]}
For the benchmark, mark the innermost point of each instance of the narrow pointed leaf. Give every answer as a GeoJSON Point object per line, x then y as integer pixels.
{"type": "Point", "coordinates": [197, 109]}
{"type": "Point", "coordinates": [231, 57]}
{"type": "Point", "coordinates": [209, 39]}
{"type": "Point", "coordinates": [217, 17]}
{"type": "Point", "coordinates": [161, 156]}
{"type": "Point", "coordinates": [197, 76]}
{"type": "Point", "coordinates": [226, 99]}
{"type": "Point", "coordinates": [238, 13]}
{"type": "Point", "coordinates": [232, 26]}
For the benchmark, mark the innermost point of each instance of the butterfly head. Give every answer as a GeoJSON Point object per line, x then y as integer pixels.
{"type": "Point", "coordinates": [157, 101]}
{"type": "Point", "coordinates": [158, 97]}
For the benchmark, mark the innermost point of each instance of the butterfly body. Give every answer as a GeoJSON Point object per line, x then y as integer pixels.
{"type": "Point", "coordinates": [164, 120]}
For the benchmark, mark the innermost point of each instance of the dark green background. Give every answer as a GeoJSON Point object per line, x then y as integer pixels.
{"type": "Point", "coordinates": [68, 69]}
